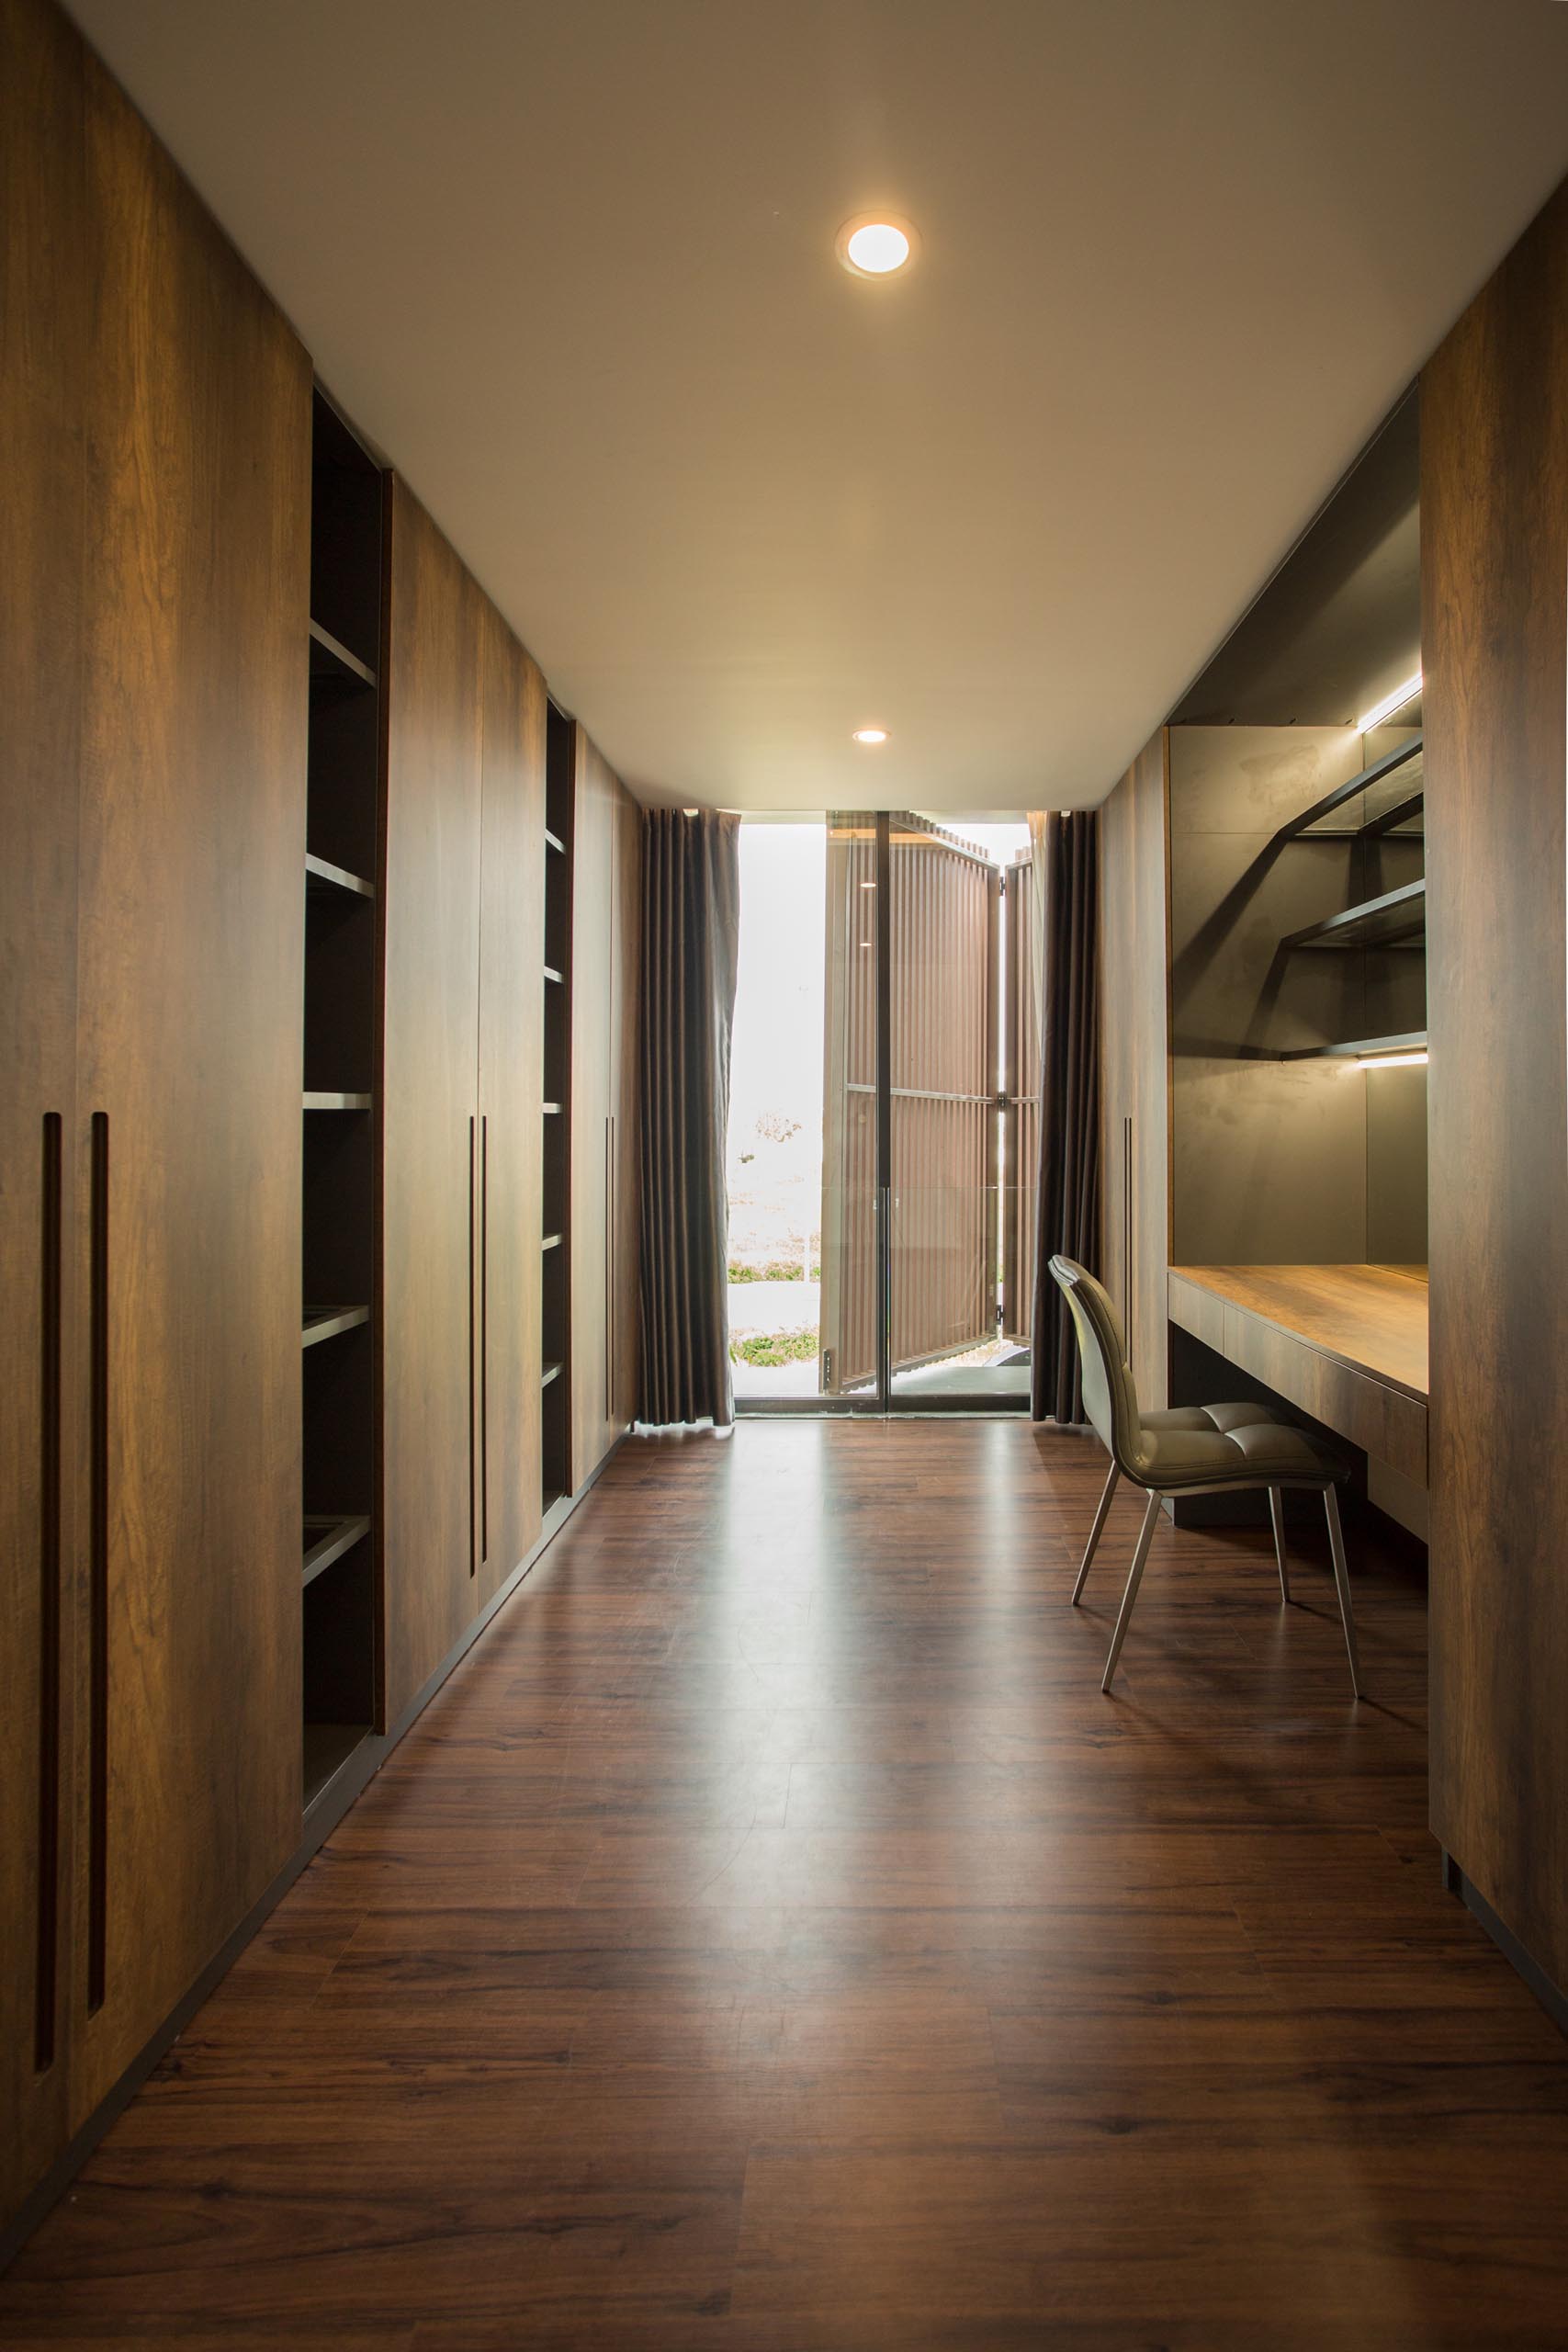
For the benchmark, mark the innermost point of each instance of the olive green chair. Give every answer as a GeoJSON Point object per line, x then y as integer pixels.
{"type": "Point", "coordinates": [1194, 1450]}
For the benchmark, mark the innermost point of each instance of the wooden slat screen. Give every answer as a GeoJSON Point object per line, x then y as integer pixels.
{"type": "Point", "coordinates": [847, 1327]}
{"type": "Point", "coordinates": [943, 1077]}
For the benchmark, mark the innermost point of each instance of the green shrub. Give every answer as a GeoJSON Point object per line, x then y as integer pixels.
{"type": "Point", "coordinates": [777, 1269]}
{"type": "Point", "coordinates": [771, 1349]}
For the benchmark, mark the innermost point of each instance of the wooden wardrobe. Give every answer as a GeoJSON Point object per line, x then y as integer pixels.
{"type": "Point", "coordinates": [272, 958]}
{"type": "Point", "coordinates": [153, 661]}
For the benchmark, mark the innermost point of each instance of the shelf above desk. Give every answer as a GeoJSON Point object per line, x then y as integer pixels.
{"type": "Point", "coordinates": [1347, 1344]}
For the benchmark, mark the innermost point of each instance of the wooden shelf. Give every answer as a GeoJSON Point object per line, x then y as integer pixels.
{"type": "Point", "coordinates": [1396, 919]}
{"type": "Point", "coordinates": [550, 1372]}
{"type": "Point", "coordinates": [332, 879]}
{"type": "Point", "coordinates": [553, 842]}
{"type": "Point", "coordinates": [1411, 1041]}
{"type": "Point", "coordinates": [551, 974]}
{"type": "Point", "coordinates": [552, 1241]}
{"type": "Point", "coordinates": [337, 1102]}
{"type": "Point", "coordinates": [327, 1539]}
{"type": "Point", "coordinates": [328, 1748]}
{"type": "Point", "coordinates": [329, 658]}
{"type": "Point", "coordinates": [326, 1322]}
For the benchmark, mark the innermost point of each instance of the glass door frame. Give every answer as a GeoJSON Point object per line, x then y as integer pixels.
{"type": "Point", "coordinates": [883, 1402]}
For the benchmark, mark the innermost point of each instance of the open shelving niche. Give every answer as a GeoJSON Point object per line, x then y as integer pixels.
{"type": "Point", "coordinates": [555, 1140]}
{"type": "Point", "coordinates": [340, 1056]}
{"type": "Point", "coordinates": [1381, 813]}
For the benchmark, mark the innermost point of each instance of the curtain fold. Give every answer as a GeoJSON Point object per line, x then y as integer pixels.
{"type": "Point", "coordinates": [691, 935]}
{"type": "Point", "coordinates": [1067, 854]}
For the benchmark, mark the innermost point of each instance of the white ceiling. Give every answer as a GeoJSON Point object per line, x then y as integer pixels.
{"type": "Point", "coordinates": [572, 268]}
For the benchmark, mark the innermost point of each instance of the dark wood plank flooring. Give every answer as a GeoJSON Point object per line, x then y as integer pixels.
{"type": "Point", "coordinates": [771, 1940]}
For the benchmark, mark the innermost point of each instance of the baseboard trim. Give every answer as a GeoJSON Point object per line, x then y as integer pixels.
{"type": "Point", "coordinates": [340, 1793]}
{"type": "Point", "coordinates": [1552, 1998]}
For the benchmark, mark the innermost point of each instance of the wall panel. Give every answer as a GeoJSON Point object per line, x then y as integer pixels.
{"type": "Point", "coordinates": [1495, 633]}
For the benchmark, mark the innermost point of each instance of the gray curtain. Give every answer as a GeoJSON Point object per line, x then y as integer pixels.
{"type": "Point", "coordinates": [1067, 867]}
{"type": "Point", "coordinates": [691, 932]}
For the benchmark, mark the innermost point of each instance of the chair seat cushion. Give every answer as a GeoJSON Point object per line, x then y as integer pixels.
{"type": "Point", "coordinates": [1203, 1444]}
{"type": "Point", "coordinates": [1223, 1417]}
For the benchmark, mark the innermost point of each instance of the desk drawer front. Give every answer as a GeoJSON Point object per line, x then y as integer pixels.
{"type": "Point", "coordinates": [1381, 1421]}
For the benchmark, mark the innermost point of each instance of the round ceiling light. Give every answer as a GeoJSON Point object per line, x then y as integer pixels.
{"type": "Point", "coordinates": [869, 735]}
{"type": "Point", "coordinates": [875, 244]}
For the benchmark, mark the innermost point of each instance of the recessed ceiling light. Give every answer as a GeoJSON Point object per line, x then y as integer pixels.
{"type": "Point", "coordinates": [873, 245]}
{"type": "Point", "coordinates": [869, 735]}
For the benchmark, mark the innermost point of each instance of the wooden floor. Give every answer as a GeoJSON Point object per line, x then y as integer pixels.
{"type": "Point", "coordinates": [772, 1941]}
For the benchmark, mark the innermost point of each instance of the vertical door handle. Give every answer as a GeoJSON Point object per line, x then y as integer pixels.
{"type": "Point", "coordinates": [45, 1983]}
{"type": "Point", "coordinates": [473, 1398]}
{"type": "Point", "coordinates": [484, 1339]}
{"type": "Point", "coordinates": [1127, 1284]}
{"type": "Point", "coordinates": [610, 1268]}
{"type": "Point", "coordinates": [98, 1567]}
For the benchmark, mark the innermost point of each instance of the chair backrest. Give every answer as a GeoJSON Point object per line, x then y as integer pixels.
{"type": "Point", "coordinates": [1110, 1393]}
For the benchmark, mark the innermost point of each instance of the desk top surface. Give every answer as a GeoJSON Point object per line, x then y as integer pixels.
{"type": "Point", "coordinates": [1372, 1318]}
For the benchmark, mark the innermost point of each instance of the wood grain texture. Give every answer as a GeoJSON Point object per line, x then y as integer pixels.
{"type": "Point", "coordinates": [431, 1111]}
{"type": "Point", "coordinates": [1372, 1319]}
{"type": "Point", "coordinates": [1493, 559]}
{"type": "Point", "coordinates": [813, 1961]}
{"type": "Point", "coordinates": [1197, 1310]}
{"type": "Point", "coordinates": [42, 418]}
{"type": "Point", "coordinates": [1381, 1419]}
{"type": "Point", "coordinates": [605, 930]}
{"type": "Point", "coordinates": [512, 956]}
{"type": "Point", "coordinates": [190, 953]}
{"type": "Point", "coordinates": [1135, 1060]}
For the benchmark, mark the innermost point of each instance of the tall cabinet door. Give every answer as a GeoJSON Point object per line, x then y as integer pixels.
{"type": "Point", "coordinates": [626, 1205]}
{"type": "Point", "coordinates": [512, 957]}
{"type": "Point", "coordinates": [186, 1142]}
{"type": "Point", "coordinates": [432, 1205]}
{"type": "Point", "coordinates": [41, 388]}
{"type": "Point", "coordinates": [1134, 1135]}
{"type": "Point", "coordinates": [594, 1101]}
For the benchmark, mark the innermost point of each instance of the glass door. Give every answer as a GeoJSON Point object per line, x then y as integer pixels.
{"type": "Point", "coordinates": [912, 974]}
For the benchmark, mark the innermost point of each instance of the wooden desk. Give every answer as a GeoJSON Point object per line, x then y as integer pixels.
{"type": "Point", "coordinates": [1348, 1344]}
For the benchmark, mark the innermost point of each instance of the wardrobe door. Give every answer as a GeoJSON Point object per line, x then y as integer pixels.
{"type": "Point", "coordinates": [42, 387]}
{"type": "Point", "coordinates": [432, 1141]}
{"type": "Point", "coordinates": [594, 1100]}
{"type": "Point", "coordinates": [187, 1144]}
{"type": "Point", "coordinates": [626, 1194]}
{"type": "Point", "coordinates": [511, 959]}
{"type": "Point", "coordinates": [1133, 1111]}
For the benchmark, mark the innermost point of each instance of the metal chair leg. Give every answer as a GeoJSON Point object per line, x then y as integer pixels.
{"type": "Point", "coordinates": [1095, 1531]}
{"type": "Point", "coordinates": [1342, 1583]}
{"type": "Point", "coordinates": [1276, 1513]}
{"type": "Point", "coordinates": [1136, 1577]}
